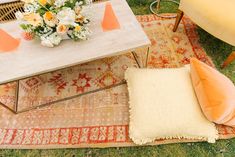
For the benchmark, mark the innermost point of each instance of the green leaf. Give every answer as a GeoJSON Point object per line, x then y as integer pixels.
{"type": "Point", "coordinates": [41, 11]}
{"type": "Point", "coordinates": [24, 26]}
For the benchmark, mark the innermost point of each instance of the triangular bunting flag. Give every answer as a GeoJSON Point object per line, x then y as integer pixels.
{"type": "Point", "coordinates": [7, 42]}
{"type": "Point", "coordinates": [110, 20]}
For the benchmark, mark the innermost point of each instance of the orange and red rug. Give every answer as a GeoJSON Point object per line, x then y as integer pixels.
{"type": "Point", "coordinates": [98, 119]}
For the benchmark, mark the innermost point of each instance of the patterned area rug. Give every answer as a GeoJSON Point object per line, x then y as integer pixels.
{"type": "Point", "coordinates": [98, 119]}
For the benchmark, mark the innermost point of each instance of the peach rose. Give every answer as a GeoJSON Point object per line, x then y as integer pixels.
{"type": "Point", "coordinates": [61, 29]}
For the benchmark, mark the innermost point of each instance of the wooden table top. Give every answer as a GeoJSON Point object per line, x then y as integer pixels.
{"type": "Point", "coordinates": [31, 58]}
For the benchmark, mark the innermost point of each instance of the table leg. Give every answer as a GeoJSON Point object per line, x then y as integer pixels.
{"type": "Point", "coordinates": [72, 97]}
{"type": "Point", "coordinates": [147, 58]}
{"type": "Point", "coordinates": [15, 109]}
{"type": "Point", "coordinates": [137, 60]}
{"type": "Point", "coordinates": [17, 95]}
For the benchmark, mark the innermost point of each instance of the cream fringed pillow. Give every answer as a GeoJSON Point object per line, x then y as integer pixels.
{"type": "Point", "coordinates": [163, 105]}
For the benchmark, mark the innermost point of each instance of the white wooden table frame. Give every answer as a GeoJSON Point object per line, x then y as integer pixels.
{"type": "Point", "coordinates": [31, 59]}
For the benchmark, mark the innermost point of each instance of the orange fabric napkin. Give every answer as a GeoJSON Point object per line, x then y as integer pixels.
{"type": "Point", "coordinates": [110, 20]}
{"type": "Point", "coordinates": [7, 42]}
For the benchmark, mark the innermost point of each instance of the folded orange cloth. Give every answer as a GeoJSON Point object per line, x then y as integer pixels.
{"type": "Point", "coordinates": [7, 42]}
{"type": "Point", "coordinates": [110, 20]}
{"type": "Point", "coordinates": [215, 93]}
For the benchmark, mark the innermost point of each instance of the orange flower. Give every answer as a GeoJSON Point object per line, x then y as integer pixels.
{"type": "Point", "coordinates": [42, 2]}
{"type": "Point", "coordinates": [48, 16]}
{"type": "Point", "coordinates": [50, 19]}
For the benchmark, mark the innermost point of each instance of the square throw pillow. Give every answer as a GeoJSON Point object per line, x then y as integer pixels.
{"type": "Point", "coordinates": [215, 93]}
{"type": "Point", "coordinates": [163, 105]}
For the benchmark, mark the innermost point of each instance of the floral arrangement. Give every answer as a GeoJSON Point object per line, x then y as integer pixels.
{"type": "Point", "coordinates": [54, 20]}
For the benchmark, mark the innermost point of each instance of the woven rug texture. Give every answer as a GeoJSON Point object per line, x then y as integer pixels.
{"type": "Point", "coordinates": [97, 119]}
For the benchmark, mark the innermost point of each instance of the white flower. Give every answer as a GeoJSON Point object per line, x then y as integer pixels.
{"type": "Point", "coordinates": [51, 40]}
{"type": "Point", "coordinates": [88, 2]}
{"type": "Point", "coordinates": [29, 8]}
{"type": "Point", "coordinates": [46, 42]}
{"type": "Point", "coordinates": [83, 33]}
{"type": "Point", "coordinates": [36, 5]}
{"type": "Point", "coordinates": [66, 16]}
{"type": "Point", "coordinates": [59, 3]}
{"type": "Point", "coordinates": [19, 15]}
{"type": "Point", "coordinates": [55, 38]}
{"type": "Point", "coordinates": [78, 3]}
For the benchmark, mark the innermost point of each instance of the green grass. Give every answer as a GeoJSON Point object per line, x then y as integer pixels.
{"type": "Point", "coordinates": [219, 149]}
{"type": "Point", "coordinates": [218, 51]}
{"type": "Point", "coordinates": [141, 7]}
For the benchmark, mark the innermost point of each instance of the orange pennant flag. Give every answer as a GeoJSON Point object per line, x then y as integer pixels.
{"type": "Point", "coordinates": [7, 42]}
{"type": "Point", "coordinates": [110, 20]}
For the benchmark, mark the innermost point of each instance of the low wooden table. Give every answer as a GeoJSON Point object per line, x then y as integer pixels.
{"type": "Point", "coordinates": [31, 59]}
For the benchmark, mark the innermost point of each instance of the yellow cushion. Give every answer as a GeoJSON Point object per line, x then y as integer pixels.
{"type": "Point", "coordinates": [215, 16]}
{"type": "Point", "coordinates": [215, 92]}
